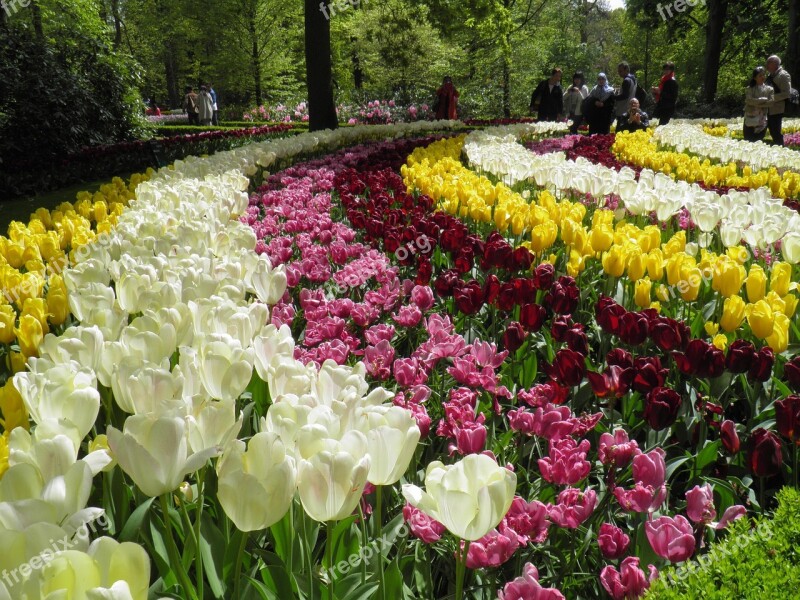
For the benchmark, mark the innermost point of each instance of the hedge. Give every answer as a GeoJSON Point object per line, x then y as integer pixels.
{"type": "Point", "coordinates": [755, 560]}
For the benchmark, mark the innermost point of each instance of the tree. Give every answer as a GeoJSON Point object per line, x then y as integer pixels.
{"type": "Point", "coordinates": [319, 75]}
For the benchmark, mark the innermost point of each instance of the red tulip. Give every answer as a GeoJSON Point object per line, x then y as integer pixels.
{"type": "Point", "coordinates": [729, 437]}
{"type": "Point", "coordinates": [514, 337]}
{"type": "Point", "coordinates": [787, 417]}
{"type": "Point", "coordinates": [669, 334]}
{"type": "Point", "coordinates": [563, 296]}
{"type": "Point", "coordinates": [761, 367]}
{"type": "Point", "coordinates": [792, 372]}
{"type": "Point", "coordinates": [568, 368]}
{"type": "Point", "coordinates": [491, 289]}
{"type": "Point", "coordinates": [649, 374]}
{"type": "Point", "coordinates": [522, 259]}
{"type": "Point", "coordinates": [469, 297]}
{"type": "Point", "coordinates": [701, 359]}
{"type": "Point", "coordinates": [609, 315]}
{"type": "Point", "coordinates": [614, 382]}
{"type": "Point", "coordinates": [765, 457]}
{"type": "Point", "coordinates": [619, 357]}
{"type": "Point", "coordinates": [634, 328]}
{"type": "Point", "coordinates": [741, 355]}
{"type": "Point", "coordinates": [532, 316]}
{"type": "Point", "coordinates": [543, 276]}
{"type": "Point", "coordinates": [661, 408]}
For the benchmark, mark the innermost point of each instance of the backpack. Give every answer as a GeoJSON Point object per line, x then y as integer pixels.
{"type": "Point", "coordinates": [641, 95]}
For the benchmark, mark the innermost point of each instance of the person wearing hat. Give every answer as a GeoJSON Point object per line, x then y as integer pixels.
{"type": "Point", "coordinates": [599, 106]}
{"type": "Point", "coordinates": [573, 100]}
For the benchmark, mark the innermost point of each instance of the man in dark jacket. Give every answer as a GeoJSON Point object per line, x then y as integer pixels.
{"type": "Point", "coordinates": [635, 119]}
{"type": "Point", "coordinates": [781, 81]}
{"type": "Point", "coordinates": [547, 99]}
{"type": "Point", "coordinates": [666, 94]}
{"type": "Point", "coordinates": [626, 92]}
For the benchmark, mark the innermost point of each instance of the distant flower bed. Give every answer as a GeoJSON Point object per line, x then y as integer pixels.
{"type": "Point", "coordinates": [168, 119]}
{"type": "Point", "coordinates": [372, 113]}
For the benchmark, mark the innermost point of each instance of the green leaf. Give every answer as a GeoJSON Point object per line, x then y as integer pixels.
{"type": "Point", "coordinates": [134, 524]}
{"type": "Point", "coordinates": [212, 548]}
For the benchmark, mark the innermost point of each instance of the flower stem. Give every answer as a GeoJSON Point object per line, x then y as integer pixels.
{"type": "Point", "coordinates": [461, 565]}
{"type": "Point", "coordinates": [329, 559]}
{"type": "Point", "coordinates": [197, 535]}
{"type": "Point", "coordinates": [172, 551]}
{"type": "Point", "coordinates": [237, 570]}
{"type": "Point", "coordinates": [377, 534]}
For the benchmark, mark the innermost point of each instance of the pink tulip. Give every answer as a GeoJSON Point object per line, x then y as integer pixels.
{"type": "Point", "coordinates": [378, 333]}
{"type": "Point", "coordinates": [408, 316]}
{"type": "Point", "coordinates": [573, 508]}
{"type": "Point", "coordinates": [700, 504]}
{"type": "Point", "coordinates": [567, 463]}
{"type": "Point", "coordinates": [629, 582]}
{"type": "Point", "coordinates": [422, 526]}
{"type": "Point", "coordinates": [731, 514]}
{"type": "Point", "coordinates": [471, 438]}
{"type": "Point", "coordinates": [409, 372]}
{"type": "Point", "coordinates": [528, 520]}
{"type": "Point", "coordinates": [650, 469]}
{"type": "Point", "coordinates": [551, 422]}
{"type": "Point", "coordinates": [422, 296]}
{"type": "Point", "coordinates": [378, 360]}
{"type": "Point", "coordinates": [613, 541]}
{"type": "Point", "coordinates": [641, 498]}
{"type": "Point", "coordinates": [493, 549]}
{"type": "Point", "coordinates": [527, 587]}
{"type": "Point", "coordinates": [617, 449]}
{"type": "Point", "coordinates": [671, 538]}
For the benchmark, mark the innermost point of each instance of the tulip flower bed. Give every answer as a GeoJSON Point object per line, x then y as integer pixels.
{"type": "Point", "coordinates": [418, 366]}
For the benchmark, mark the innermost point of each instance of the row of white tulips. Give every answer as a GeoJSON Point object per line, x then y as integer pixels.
{"type": "Point", "coordinates": [758, 156]}
{"type": "Point", "coordinates": [172, 313]}
{"type": "Point", "coordinates": [754, 216]}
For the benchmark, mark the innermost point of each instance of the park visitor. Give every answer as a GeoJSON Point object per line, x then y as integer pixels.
{"type": "Point", "coordinates": [635, 119]}
{"type": "Point", "coordinates": [573, 100]}
{"type": "Point", "coordinates": [781, 81]}
{"type": "Point", "coordinates": [757, 100]}
{"type": "Point", "coordinates": [205, 106]}
{"type": "Point", "coordinates": [626, 91]}
{"type": "Point", "coordinates": [190, 105]}
{"type": "Point", "coordinates": [446, 100]}
{"type": "Point", "coordinates": [547, 100]}
{"type": "Point", "coordinates": [666, 94]}
{"type": "Point", "coordinates": [599, 106]}
{"type": "Point", "coordinates": [215, 117]}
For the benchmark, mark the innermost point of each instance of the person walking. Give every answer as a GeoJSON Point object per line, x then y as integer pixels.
{"type": "Point", "coordinates": [573, 101]}
{"type": "Point", "coordinates": [666, 94]}
{"type": "Point", "coordinates": [626, 91]}
{"type": "Point", "coordinates": [190, 105]}
{"type": "Point", "coordinates": [781, 81]}
{"type": "Point", "coordinates": [215, 118]}
{"type": "Point", "coordinates": [757, 100]}
{"type": "Point", "coordinates": [598, 108]}
{"type": "Point", "coordinates": [446, 103]}
{"type": "Point", "coordinates": [547, 100]}
{"type": "Point", "coordinates": [205, 106]}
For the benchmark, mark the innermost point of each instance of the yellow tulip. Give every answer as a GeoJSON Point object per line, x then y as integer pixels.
{"type": "Point", "coordinates": [761, 319]}
{"type": "Point", "coordinates": [779, 339]}
{"type": "Point", "coordinates": [720, 342]}
{"type": "Point", "coordinates": [781, 278]}
{"type": "Point", "coordinates": [637, 264]}
{"type": "Point", "coordinates": [756, 284]}
{"type": "Point", "coordinates": [37, 308]}
{"type": "Point", "coordinates": [711, 328]}
{"type": "Point", "coordinates": [642, 294]}
{"type": "Point", "coordinates": [674, 267]}
{"type": "Point", "coordinates": [790, 305]}
{"type": "Point", "coordinates": [655, 264]}
{"type": "Point", "coordinates": [8, 318]}
{"type": "Point", "coordinates": [614, 261]}
{"type": "Point", "coordinates": [601, 238]}
{"type": "Point", "coordinates": [728, 277]}
{"type": "Point", "coordinates": [733, 311]}
{"type": "Point", "coordinates": [13, 408]}
{"type": "Point", "coordinates": [691, 280]}
{"type": "Point", "coordinates": [29, 335]}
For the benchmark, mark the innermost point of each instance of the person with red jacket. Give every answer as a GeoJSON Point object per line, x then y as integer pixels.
{"type": "Point", "coordinates": [446, 100]}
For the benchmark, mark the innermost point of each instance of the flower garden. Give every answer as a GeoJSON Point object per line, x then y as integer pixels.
{"type": "Point", "coordinates": [403, 361]}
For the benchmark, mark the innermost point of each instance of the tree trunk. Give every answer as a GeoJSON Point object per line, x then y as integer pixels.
{"type": "Point", "coordinates": [171, 74]}
{"type": "Point", "coordinates": [319, 74]}
{"type": "Point", "coordinates": [358, 73]}
{"type": "Point", "coordinates": [36, 15]}
{"type": "Point", "coordinates": [117, 24]}
{"type": "Point", "coordinates": [717, 13]}
{"type": "Point", "coordinates": [793, 47]}
{"type": "Point", "coordinates": [506, 86]}
{"type": "Point", "coordinates": [255, 59]}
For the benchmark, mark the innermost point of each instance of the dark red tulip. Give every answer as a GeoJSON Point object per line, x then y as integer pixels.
{"type": "Point", "coordinates": [649, 374]}
{"type": "Point", "coordinates": [464, 260]}
{"type": "Point", "coordinates": [524, 290]}
{"type": "Point", "coordinates": [741, 355]}
{"type": "Point", "coordinates": [491, 289]}
{"type": "Point", "coordinates": [765, 456]}
{"type": "Point", "coordinates": [568, 368]}
{"type": "Point", "coordinates": [609, 315]}
{"type": "Point", "coordinates": [614, 382]}
{"type": "Point", "coordinates": [514, 336]}
{"type": "Point", "coordinates": [563, 296]}
{"type": "Point", "coordinates": [543, 276]}
{"type": "Point", "coordinates": [561, 325]}
{"type": "Point", "coordinates": [469, 297]}
{"type": "Point", "coordinates": [661, 408]}
{"type": "Point", "coordinates": [522, 258]}
{"type": "Point", "coordinates": [701, 359]}
{"type": "Point", "coordinates": [787, 417]}
{"type": "Point", "coordinates": [791, 371]}
{"type": "Point", "coordinates": [669, 334]}
{"type": "Point", "coordinates": [497, 253]}
{"type": "Point", "coordinates": [577, 340]}
{"type": "Point", "coordinates": [424, 271]}
{"type": "Point", "coordinates": [634, 328]}
{"type": "Point", "coordinates": [506, 300]}
{"type": "Point", "coordinates": [446, 282]}
{"type": "Point", "coordinates": [729, 437]}
{"type": "Point", "coordinates": [619, 357]}
{"type": "Point", "coordinates": [761, 367]}
{"type": "Point", "coordinates": [532, 316]}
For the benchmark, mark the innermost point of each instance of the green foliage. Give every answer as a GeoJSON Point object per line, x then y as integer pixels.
{"type": "Point", "coordinates": [752, 562]}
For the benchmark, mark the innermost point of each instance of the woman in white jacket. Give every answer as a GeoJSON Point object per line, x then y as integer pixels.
{"type": "Point", "coordinates": [205, 106]}
{"type": "Point", "coordinates": [757, 100]}
{"type": "Point", "coordinates": [573, 100]}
